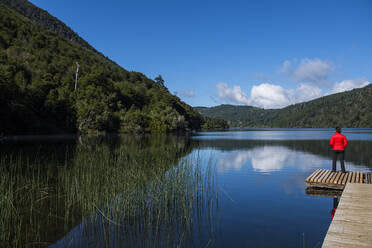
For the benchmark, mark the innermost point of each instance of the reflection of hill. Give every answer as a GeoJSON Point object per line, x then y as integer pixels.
{"type": "Point", "coordinates": [357, 152]}
{"type": "Point", "coordinates": [66, 180]}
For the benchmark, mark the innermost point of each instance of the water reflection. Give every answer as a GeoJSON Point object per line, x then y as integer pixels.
{"type": "Point", "coordinates": [142, 178]}
{"type": "Point", "coordinates": [357, 155]}
{"type": "Point", "coordinates": [274, 158]}
{"type": "Point", "coordinates": [335, 205]}
{"type": "Point", "coordinates": [163, 191]}
{"type": "Point", "coordinates": [263, 159]}
{"type": "Point", "coordinates": [178, 209]}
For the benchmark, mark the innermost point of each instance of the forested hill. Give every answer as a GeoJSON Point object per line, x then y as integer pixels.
{"type": "Point", "coordinates": [347, 109]}
{"type": "Point", "coordinates": [44, 19]}
{"type": "Point", "coordinates": [38, 95]}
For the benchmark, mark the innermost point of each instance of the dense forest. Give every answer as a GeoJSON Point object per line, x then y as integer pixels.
{"type": "Point", "coordinates": [39, 93]}
{"type": "Point", "coordinates": [47, 21]}
{"type": "Point", "coordinates": [347, 109]}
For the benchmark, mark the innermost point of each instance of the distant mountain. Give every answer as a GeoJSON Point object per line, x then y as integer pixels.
{"type": "Point", "coordinates": [38, 63]}
{"type": "Point", "coordinates": [347, 109]}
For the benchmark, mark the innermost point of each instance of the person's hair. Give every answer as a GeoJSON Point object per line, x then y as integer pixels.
{"type": "Point", "coordinates": [338, 129]}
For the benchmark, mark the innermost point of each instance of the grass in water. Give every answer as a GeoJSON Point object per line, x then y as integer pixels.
{"type": "Point", "coordinates": [134, 192]}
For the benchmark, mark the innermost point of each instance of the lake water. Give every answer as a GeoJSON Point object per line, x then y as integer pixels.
{"type": "Point", "coordinates": [248, 189]}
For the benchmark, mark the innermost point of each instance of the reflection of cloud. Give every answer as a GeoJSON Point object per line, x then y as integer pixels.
{"type": "Point", "coordinates": [269, 158]}
{"type": "Point", "coordinates": [275, 158]}
{"type": "Point", "coordinates": [235, 161]}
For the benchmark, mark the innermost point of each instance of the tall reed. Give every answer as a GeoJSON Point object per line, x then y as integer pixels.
{"type": "Point", "coordinates": [134, 193]}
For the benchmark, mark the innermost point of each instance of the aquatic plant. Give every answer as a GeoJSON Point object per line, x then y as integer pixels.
{"type": "Point", "coordinates": [122, 193]}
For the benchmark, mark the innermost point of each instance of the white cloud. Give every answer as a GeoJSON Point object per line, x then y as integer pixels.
{"type": "Point", "coordinates": [234, 95]}
{"type": "Point", "coordinates": [286, 68]}
{"type": "Point", "coordinates": [268, 95]}
{"type": "Point", "coordinates": [311, 74]}
{"type": "Point", "coordinates": [348, 85]}
{"type": "Point", "coordinates": [187, 93]}
{"type": "Point", "coordinates": [307, 92]}
{"type": "Point", "coordinates": [314, 71]}
{"type": "Point", "coordinates": [261, 77]}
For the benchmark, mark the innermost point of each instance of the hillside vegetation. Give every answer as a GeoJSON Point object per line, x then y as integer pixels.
{"type": "Point", "coordinates": [44, 19]}
{"type": "Point", "coordinates": [347, 109]}
{"type": "Point", "coordinates": [37, 84]}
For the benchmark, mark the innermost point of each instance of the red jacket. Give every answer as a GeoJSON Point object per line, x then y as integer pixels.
{"type": "Point", "coordinates": [338, 142]}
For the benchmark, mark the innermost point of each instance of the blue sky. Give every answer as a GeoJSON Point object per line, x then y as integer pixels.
{"type": "Point", "coordinates": [264, 53]}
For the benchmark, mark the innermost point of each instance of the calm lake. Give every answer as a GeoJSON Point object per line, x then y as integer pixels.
{"type": "Point", "coordinates": [239, 188]}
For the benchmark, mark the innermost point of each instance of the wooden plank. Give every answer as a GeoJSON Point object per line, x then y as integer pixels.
{"type": "Point", "coordinates": [361, 177]}
{"type": "Point", "coordinates": [322, 179]}
{"type": "Point", "coordinates": [323, 192]}
{"type": "Point", "coordinates": [320, 176]}
{"type": "Point", "coordinates": [357, 177]}
{"type": "Point", "coordinates": [327, 180]}
{"type": "Point", "coordinates": [342, 178]}
{"type": "Point", "coordinates": [317, 179]}
{"type": "Point", "coordinates": [312, 174]}
{"type": "Point", "coordinates": [337, 177]}
{"type": "Point", "coordinates": [315, 175]}
{"type": "Point", "coordinates": [339, 180]}
{"type": "Point", "coordinates": [354, 177]}
{"type": "Point", "coordinates": [352, 222]}
{"type": "Point", "coordinates": [333, 177]}
{"type": "Point", "coordinates": [325, 185]}
{"type": "Point", "coordinates": [350, 177]}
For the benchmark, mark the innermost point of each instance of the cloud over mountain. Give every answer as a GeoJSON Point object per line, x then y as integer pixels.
{"type": "Point", "coordinates": [268, 95]}
{"type": "Point", "coordinates": [312, 76]}
{"type": "Point", "coordinates": [349, 85]}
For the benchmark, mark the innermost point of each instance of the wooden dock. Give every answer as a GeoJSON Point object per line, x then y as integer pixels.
{"type": "Point", "coordinates": [336, 180]}
{"type": "Point", "coordinates": [352, 223]}
{"type": "Point", "coordinates": [323, 192]}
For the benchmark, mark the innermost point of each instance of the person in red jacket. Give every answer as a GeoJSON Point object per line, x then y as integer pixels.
{"type": "Point", "coordinates": [338, 143]}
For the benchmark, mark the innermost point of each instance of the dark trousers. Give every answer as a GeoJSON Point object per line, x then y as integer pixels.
{"type": "Point", "coordinates": [339, 154]}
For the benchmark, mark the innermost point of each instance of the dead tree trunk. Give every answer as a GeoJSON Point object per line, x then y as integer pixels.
{"type": "Point", "coordinates": [76, 74]}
